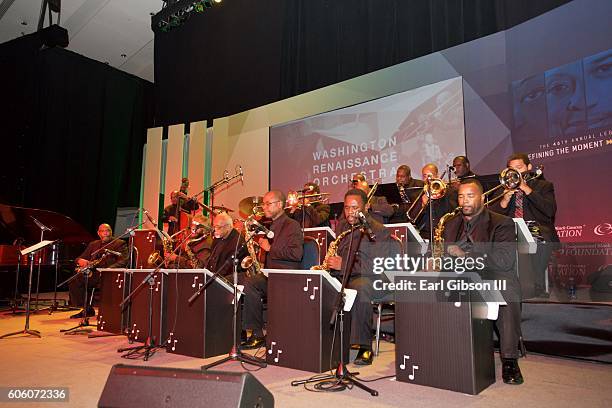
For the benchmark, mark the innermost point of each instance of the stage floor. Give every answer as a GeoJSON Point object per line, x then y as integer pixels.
{"type": "Point", "coordinates": [82, 364]}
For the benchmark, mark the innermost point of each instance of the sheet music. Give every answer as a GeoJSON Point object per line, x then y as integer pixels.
{"type": "Point", "coordinates": [331, 232]}
{"type": "Point", "coordinates": [36, 247]}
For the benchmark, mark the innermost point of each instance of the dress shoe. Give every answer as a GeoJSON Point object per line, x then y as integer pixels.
{"type": "Point", "coordinates": [364, 357]}
{"type": "Point", "coordinates": [253, 343]}
{"type": "Point", "coordinates": [90, 312]}
{"type": "Point", "coordinates": [511, 373]}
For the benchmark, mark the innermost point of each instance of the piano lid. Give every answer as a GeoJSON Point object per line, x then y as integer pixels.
{"type": "Point", "coordinates": [16, 222]}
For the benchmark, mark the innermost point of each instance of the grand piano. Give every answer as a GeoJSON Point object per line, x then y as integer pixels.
{"type": "Point", "coordinates": [21, 227]}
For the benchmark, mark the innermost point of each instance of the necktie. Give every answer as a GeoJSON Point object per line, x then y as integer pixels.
{"type": "Point", "coordinates": [518, 204]}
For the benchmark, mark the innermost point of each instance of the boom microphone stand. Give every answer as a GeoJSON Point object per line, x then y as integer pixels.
{"type": "Point", "coordinates": [149, 345]}
{"type": "Point", "coordinates": [81, 327]}
{"type": "Point", "coordinates": [235, 354]}
{"type": "Point", "coordinates": [342, 377]}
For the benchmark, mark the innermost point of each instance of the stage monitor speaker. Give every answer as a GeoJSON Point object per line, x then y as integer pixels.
{"type": "Point", "coordinates": [136, 386]}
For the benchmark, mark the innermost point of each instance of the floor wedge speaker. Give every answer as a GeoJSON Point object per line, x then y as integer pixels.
{"type": "Point", "coordinates": [130, 386]}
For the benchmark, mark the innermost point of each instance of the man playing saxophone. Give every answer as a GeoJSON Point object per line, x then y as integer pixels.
{"type": "Point", "coordinates": [196, 248]}
{"type": "Point", "coordinates": [284, 250]}
{"type": "Point", "coordinates": [361, 272]}
{"type": "Point", "coordinates": [479, 232]}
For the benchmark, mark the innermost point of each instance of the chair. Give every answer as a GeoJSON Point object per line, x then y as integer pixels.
{"type": "Point", "coordinates": [379, 304]}
{"type": "Point", "coordinates": [311, 253]}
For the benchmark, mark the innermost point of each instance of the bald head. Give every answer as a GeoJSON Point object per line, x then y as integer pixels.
{"type": "Point", "coordinates": [430, 170]}
{"type": "Point", "coordinates": [105, 232]}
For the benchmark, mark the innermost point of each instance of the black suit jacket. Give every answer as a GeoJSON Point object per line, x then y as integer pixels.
{"type": "Point", "coordinates": [494, 239]}
{"type": "Point", "coordinates": [539, 206]}
{"type": "Point", "coordinates": [222, 254]}
{"type": "Point", "coordinates": [287, 246]}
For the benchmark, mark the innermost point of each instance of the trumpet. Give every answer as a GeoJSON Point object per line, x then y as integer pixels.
{"type": "Point", "coordinates": [296, 200]}
{"type": "Point", "coordinates": [511, 179]}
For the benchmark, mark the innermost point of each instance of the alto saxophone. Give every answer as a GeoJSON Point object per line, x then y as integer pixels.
{"type": "Point", "coordinates": [331, 251]}
{"type": "Point", "coordinates": [437, 250]}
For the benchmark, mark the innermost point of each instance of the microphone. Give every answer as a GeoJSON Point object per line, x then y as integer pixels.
{"type": "Point", "coordinates": [241, 175]}
{"type": "Point", "coordinates": [151, 220]}
{"type": "Point", "coordinates": [112, 252]}
{"type": "Point", "coordinates": [307, 189]}
{"type": "Point", "coordinates": [260, 227]}
{"type": "Point", "coordinates": [366, 224]}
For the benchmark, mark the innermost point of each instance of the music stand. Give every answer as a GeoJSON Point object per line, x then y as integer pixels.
{"type": "Point", "coordinates": [342, 378]}
{"type": "Point", "coordinates": [30, 251]}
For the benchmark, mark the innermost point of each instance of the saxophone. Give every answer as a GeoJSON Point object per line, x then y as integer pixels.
{"type": "Point", "coordinates": [156, 259]}
{"type": "Point", "coordinates": [331, 251]}
{"type": "Point", "coordinates": [437, 250]}
{"type": "Point", "coordinates": [196, 228]}
{"type": "Point", "coordinates": [250, 263]}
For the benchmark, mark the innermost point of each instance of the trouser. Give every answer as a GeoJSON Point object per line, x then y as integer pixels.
{"type": "Point", "coordinates": [255, 289]}
{"type": "Point", "coordinates": [76, 288]}
{"type": "Point", "coordinates": [509, 329]}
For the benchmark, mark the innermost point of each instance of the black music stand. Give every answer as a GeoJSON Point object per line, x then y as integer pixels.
{"type": "Point", "coordinates": [30, 251]}
{"type": "Point", "coordinates": [235, 354]}
{"type": "Point", "coordinates": [149, 345]}
{"type": "Point", "coordinates": [342, 377]}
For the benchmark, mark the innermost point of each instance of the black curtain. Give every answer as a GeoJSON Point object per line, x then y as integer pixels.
{"type": "Point", "coordinates": [75, 131]}
{"type": "Point", "coordinates": [248, 53]}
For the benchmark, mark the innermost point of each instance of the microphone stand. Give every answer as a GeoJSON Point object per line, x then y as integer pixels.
{"type": "Point", "coordinates": [235, 353]}
{"type": "Point", "coordinates": [80, 328]}
{"type": "Point", "coordinates": [149, 345]}
{"type": "Point", "coordinates": [342, 377]}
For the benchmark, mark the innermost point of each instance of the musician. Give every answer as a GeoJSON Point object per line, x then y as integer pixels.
{"type": "Point", "coordinates": [378, 207]}
{"type": "Point", "coordinates": [534, 201]}
{"type": "Point", "coordinates": [461, 164]}
{"type": "Point", "coordinates": [227, 241]}
{"type": "Point", "coordinates": [402, 193]}
{"type": "Point", "coordinates": [313, 214]}
{"type": "Point", "coordinates": [479, 232]}
{"type": "Point", "coordinates": [283, 251]}
{"type": "Point", "coordinates": [198, 240]}
{"type": "Point", "coordinates": [361, 275]}
{"type": "Point", "coordinates": [440, 206]}
{"type": "Point", "coordinates": [107, 259]}
{"type": "Point", "coordinates": [171, 213]}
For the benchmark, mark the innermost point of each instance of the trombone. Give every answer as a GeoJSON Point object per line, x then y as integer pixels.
{"type": "Point", "coordinates": [296, 200]}
{"type": "Point", "coordinates": [434, 189]}
{"type": "Point", "coordinates": [510, 179]}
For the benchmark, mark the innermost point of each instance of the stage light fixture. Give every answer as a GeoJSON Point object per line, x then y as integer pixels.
{"type": "Point", "coordinates": [176, 12]}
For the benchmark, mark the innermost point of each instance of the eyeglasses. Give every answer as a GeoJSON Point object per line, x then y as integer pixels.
{"type": "Point", "coordinates": [269, 203]}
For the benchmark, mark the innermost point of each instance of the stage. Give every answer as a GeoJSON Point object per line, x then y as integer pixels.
{"type": "Point", "coordinates": [82, 364]}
